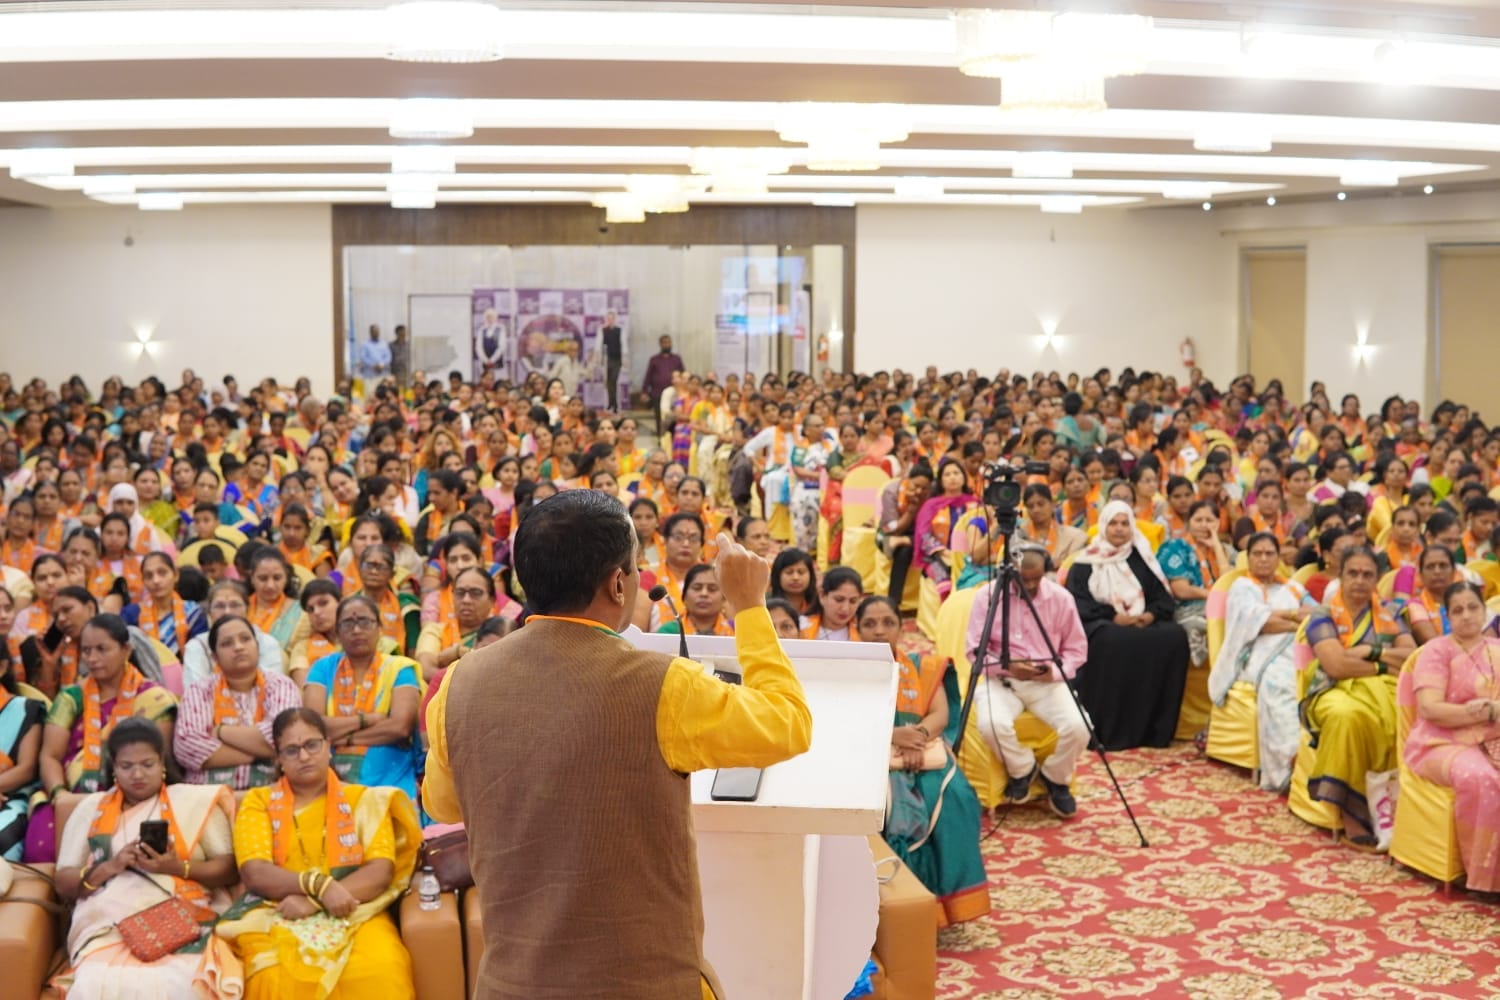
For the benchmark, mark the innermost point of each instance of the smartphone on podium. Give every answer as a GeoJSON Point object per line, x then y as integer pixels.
{"type": "Point", "coordinates": [736, 784]}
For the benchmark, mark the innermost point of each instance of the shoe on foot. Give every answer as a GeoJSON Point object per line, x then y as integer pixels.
{"type": "Point", "coordinates": [1018, 790]}
{"type": "Point", "coordinates": [1060, 798]}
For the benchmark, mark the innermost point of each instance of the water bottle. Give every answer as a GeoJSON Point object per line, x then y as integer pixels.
{"type": "Point", "coordinates": [429, 893]}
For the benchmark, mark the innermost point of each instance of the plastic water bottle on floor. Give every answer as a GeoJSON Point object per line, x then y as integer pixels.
{"type": "Point", "coordinates": [429, 893]}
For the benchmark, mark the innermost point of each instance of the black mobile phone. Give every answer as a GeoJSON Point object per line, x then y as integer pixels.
{"type": "Point", "coordinates": [736, 784]}
{"type": "Point", "coordinates": [154, 835]}
{"type": "Point", "coordinates": [729, 677]}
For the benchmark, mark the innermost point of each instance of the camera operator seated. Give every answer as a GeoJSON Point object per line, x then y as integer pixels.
{"type": "Point", "coordinates": [1031, 682]}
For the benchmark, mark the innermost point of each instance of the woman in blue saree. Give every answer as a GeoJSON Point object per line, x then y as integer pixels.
{"type": "Point", "coordinates": [932, 813]}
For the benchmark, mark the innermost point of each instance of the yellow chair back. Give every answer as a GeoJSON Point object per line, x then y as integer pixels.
{"type": "Point", "coordinates": [1214, 611]}
{"type": "Point", "coordinates": [861, 494]}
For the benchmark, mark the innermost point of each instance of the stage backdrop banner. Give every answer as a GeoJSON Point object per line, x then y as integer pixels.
{"type": "Point", "coordinates": [554, 332]}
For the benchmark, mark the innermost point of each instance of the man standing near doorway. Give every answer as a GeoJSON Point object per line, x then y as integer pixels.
{"type": "Point", "coordinates": [401, 359]}
{"type": "Point", "coordinates": [374, 360]}
{"type": "Point", "coordinates": [659, 371]}
{"type": "Point", "coordinates": [614, 353]}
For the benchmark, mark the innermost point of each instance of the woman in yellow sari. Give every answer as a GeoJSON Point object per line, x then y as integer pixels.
{"type": "Point", "coordinates": [110, 872]}
{"type": "Point", "coordinates": [1348, 692]}
{"type": "Point", "coordinates": [322, 861]}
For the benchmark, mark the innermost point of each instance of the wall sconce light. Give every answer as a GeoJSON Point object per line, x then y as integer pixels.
{"type": "Point", "coordinates": [1049, 337]}
{"type": "Point", "coordinates": [143, 342]}
{"type": "Point", "coordinates": [1363, 350]}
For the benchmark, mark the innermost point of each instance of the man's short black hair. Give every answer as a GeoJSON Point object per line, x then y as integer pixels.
{"type": "Point", "coordinates": [567, 546]}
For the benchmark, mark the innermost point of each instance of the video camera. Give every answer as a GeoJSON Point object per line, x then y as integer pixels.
{"type": "Point", "coordinates": [1002, 490]}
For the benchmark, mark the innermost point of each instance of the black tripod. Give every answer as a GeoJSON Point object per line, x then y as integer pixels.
{"type": "Point", "coordinates": [999, 598]}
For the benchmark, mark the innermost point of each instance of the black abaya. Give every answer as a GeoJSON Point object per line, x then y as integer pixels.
{"type": "Point", "coordinates": [1132, 683]}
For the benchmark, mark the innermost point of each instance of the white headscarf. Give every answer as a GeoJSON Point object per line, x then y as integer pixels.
{"type": "Point", "coordinates": [1112, 581]}
{"type": "Point", "coordinates": [138, 522]}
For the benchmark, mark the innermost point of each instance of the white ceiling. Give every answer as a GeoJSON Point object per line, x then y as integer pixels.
{"type": "Point", "coordinates": [223, 101]}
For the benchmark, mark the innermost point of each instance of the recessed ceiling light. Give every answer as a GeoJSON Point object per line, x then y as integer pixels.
{"type": "Point", "coordinates": [423, 160]}
{"type": "Point", "coordinates": [1342, 196]}
{"type": "Point", "coordinates": [431, 118]}
{"type": "Point", "coordinates": [159, 201]}
{"type": "Point", "coordinates": [1271, 200]}
{"type": "Point", "coordinates": [1232, 139]}
{"type": "Point", "coordinates": [918, 187]}
{"type": "Point", "coordinates": [413, 199]}
{"type": "Point", "coordinates": [1427, 189]}
{"type": "Point", "coordinates": [1208, 206]}
{"type": "Point", "coordinates": [1048, 166]}
{"type": "Point", "coordinates": [1187, 191]}
{"type": "Point", "coordinates": [35, 164]}
{"type": "Point", "coordinates": [1369, 173]}
{"type": "Point", "coordinates": [1061, 204]}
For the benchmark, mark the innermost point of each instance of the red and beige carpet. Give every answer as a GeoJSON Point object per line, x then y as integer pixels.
{"type": "Point", "coordinates": [1234, 898]}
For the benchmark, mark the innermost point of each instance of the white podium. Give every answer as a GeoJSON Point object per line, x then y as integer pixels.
{"type": "Point", "coordinates": [790, 898]}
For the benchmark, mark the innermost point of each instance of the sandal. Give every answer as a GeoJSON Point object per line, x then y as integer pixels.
{"type": "Point", "coordinates": [1364, 842]}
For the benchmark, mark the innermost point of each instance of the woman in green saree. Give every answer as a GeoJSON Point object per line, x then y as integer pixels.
{"type": "Point", "coordinates": [932, 816]}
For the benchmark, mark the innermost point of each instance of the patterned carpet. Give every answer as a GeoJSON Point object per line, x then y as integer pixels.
{"type": "Point", "coordinates": [1235, 898]}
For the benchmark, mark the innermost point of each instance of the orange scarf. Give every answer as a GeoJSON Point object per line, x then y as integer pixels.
{"type": "Point", "coordinates": [148, 620]}
{"type": "Point", "coordinates": [51, 539]}
{"type": "Point", "coordinates": [130, 572]}
{"type": "Point", "coordinates": [1401, 557]}
{"type": "Point", "coordinates": [19, 556]}
{"type": "Point", "coordinates": [815, 624]}
{"type": "Point", "coordinates": [348, 698]}
{"type": "Point", "coordinates": [1381, 619]}
{"type": "Point", "coordinates": [1278, 529]}
{"type": "Point", "coordinates": [264, 616]}
{"type": "Point", "coordinates": [1176, 526]}
{"type": "Point", "coordinates": [319, 646]}
{"type": "Point", "coordinates": [390, 617]}
{"type": "Point", "coordinates": [94, 728]}
{"type": "Point", "coordinates": [101, 581]}
{"type": "Point", "coordinates": [341, 846]}
{"type": "Point", "coordinates": [1049, 541]}
{"type": "Point", "coordinates": [227, 713]}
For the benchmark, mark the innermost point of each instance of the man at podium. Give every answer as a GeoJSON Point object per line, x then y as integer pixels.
{"type": "Point", "coordinates": [564, 748]}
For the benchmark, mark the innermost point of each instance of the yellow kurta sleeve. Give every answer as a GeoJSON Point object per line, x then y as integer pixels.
{"type": "Point", "coordinates": [439, 797]}
{"type": "Point", "coordinates": [431, 638]}
{"type": "Point", "coordinates": [702, 722]}
{"type": "Point", "coordinates": [252, 828]}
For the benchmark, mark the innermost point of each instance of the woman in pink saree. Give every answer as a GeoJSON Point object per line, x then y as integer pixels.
{"type": "Point", "coordinates": [1454, 680]}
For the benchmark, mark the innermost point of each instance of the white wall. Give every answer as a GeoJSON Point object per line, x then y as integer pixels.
{"type": "Point", "coordinates": [247, 290]}
{"type": "Point", "coordinates": [1372, 284]}
{"type": "Point", "coordinates": [1369, 265]}
{"type": "Point", "coordinates": [974, 287]}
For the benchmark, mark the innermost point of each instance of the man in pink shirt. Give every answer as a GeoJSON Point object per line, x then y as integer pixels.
{"type": "Point", "coordinates": [1032, 682]}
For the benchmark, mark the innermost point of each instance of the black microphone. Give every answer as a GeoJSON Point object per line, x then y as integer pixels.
{"type": "Point", "coordinates": [659, 593]}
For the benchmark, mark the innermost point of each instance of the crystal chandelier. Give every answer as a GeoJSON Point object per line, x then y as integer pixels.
{"type": "Point", "coordinates": [1051, 62]}
{"type": "Point", "coordinates": [842, 137]}
{"type": "Point", "coordinates": [739, 171]}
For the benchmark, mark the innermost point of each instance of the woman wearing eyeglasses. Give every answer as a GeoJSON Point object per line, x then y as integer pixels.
{"type": "Point", "coordinates": [451, 636]}
{"type": "Point", "coordinates": [223, 733]}
{"type": "Point", "coordinates": [399, 612]}
{"type": "Point", "coordinates": [322, 861]}
{"type": "Point", "coordinates": [368, 701]}
{"type": "Point", "coordinates": [109, 872]}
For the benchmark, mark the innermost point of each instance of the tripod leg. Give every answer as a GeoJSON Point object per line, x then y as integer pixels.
{"type": "Point", "coordinates": [1093, 737]}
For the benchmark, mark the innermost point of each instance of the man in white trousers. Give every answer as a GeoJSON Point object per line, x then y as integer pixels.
{"type": "Point", "coordinates": [1032, 682]}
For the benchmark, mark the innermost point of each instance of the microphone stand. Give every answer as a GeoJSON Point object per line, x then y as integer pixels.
{"type": "Point", "coordinates": [682, 649]}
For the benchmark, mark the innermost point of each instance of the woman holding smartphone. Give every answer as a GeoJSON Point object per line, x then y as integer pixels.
{"type": "Point", "coordinates": [126, 850]}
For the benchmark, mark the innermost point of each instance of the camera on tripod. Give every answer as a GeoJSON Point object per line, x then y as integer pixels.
{"type": "Point", "coordinates": [1002, 490]}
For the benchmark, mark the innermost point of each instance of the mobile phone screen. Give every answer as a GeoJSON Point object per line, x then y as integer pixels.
{"type": "Point", "coordinates": [736, 784]}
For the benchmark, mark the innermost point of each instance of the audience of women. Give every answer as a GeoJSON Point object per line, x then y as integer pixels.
{"type": "Point", "coordinates": [1348, 692]}
{"type": "Point", "coordinates": [1138, 656]}
{"type": "Point", "coordinates": [932, 818]}
{"type": "Point", "coordinates": [322, 860]}
{"type": "Point", "coordinates": [1261, 620]}
{"type": "Point", "coordinates": [111, 872]}
{"type": "Point", "coordinates": [223, 729]}
{"type": "Point", "coordinates": [1457, 700]}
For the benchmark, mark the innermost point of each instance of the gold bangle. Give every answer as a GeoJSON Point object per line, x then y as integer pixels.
{"type": "Point", "coordinates": [83, 879]}
{"type": "Point", "coordinates": [187, 868]}
{"type": "Point", "coordinates": [302, 882]}
{"type": "Point", "coordinates": [327, 880]}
